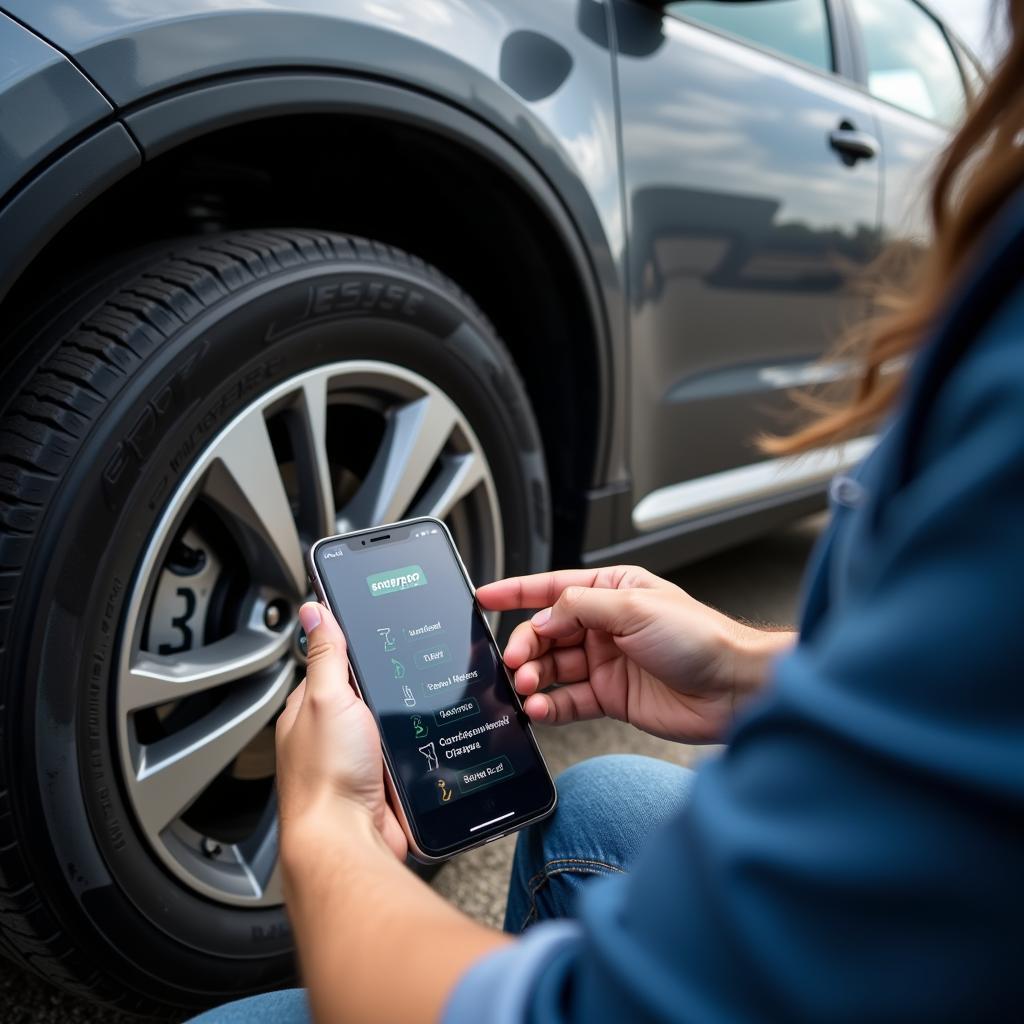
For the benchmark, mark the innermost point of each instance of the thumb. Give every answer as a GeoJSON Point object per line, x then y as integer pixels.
{"type": "Point", "coordinates": [326, 659]}
{"type": "Point", "coordinates": [612, 611]}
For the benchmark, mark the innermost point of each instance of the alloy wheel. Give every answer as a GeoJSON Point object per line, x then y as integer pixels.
{"type": "Point", "coordinates": [211, 644]}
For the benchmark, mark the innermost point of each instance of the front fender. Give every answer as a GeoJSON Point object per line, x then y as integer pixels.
{"type": "Point", "coordinates": [538, 71]}
{"type": "Point", "coordinates": [536, 74]}
{"type": "Point", "coordinates": [45, 101]}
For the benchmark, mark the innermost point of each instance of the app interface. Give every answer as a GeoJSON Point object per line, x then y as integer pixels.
{"type": "Point", "coordinates": [433, 679]}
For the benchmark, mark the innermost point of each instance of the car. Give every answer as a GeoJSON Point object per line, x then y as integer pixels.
{"type": "Point", "coordinates": [275, 270]}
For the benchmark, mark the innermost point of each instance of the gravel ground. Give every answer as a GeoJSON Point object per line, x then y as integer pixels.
{"type": "Point", "coordinates": [758, 582]}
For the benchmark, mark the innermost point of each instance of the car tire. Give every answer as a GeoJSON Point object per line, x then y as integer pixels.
{"type": "Point", "coordinates": [122, 396]}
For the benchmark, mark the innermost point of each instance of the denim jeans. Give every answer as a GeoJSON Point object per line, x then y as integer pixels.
{"type": "Point", "coordinates": [607, 809]}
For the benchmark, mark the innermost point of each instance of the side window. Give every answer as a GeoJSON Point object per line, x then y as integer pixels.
{"type": "Point", "coordinates": [794, 28]}
{"type": "Point", "coordinates": [909, 60]}
{"type": "Point", "coordinates": [973, 74]}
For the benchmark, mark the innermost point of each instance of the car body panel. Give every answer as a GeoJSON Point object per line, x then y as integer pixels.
{"type": "Point", "coordinates": [483, 57]}
{"type": "Point", "coordinates": [744, 225]}
{"type": "Point", "coordinates": [51, 198]}
{"type": "Point", "coordinates": [491, 60]}
{"type": "Point", "coordinates": [169, 121]}
{"type": "Point", "coordinates": [910, 148]}
{"type": "Point", "coordinates": [44, 102]}
{"type": "Point", "coordinates": [911, 144]}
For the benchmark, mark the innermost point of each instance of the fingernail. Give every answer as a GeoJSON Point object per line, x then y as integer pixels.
{"type": "Point", "coordinates": [541, 617]}
{"type": "Point", "coordinates": [309, 616]}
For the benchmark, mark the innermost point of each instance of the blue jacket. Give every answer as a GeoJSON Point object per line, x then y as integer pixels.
{"type": "Point", "coordinates": [857, 853]}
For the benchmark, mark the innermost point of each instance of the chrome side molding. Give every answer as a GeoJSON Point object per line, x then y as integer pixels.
{"type": "Point", "coordinates": [765, 479]}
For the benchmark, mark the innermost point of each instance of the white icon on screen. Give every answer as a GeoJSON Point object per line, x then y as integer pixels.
{"type": "Point", "coordinates": [409, 699]}
{"type": "Point", "coordinates": [431, 755]}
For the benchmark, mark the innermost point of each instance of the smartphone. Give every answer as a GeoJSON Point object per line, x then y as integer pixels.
{"type": "Point", "coordinates": [462, 762]}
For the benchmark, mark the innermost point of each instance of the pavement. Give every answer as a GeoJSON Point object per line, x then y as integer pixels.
{"type": "Point", "coordinates": [757, 582]}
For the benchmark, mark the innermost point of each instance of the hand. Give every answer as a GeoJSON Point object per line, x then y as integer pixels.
{"type": "Point", "coordinates": [356, 911]}
{"type": "Point", "coordinates": [625, 644]}
{"type": "Point", "coordinates": [329, 760]}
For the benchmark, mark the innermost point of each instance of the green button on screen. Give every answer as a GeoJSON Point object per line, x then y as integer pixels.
{"type": "Point", "coordinates": [409, 576]}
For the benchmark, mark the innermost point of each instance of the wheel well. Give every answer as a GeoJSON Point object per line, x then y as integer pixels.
{"type": "Point", "coordinates": [396, 183]}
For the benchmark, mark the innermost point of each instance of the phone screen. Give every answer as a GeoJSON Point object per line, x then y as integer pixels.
{"type": "Point", "coordinates": [460, 750]}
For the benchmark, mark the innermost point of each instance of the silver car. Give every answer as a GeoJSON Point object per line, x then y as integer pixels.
{"type": "Point", "coordinates": [272, 269]}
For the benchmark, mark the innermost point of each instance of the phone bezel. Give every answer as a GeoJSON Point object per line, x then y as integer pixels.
{"type": "Point", "coordinates": [395, 793]}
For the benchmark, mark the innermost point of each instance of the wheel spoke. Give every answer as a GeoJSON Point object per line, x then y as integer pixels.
{"type": "Point", "coordinates": [251, 492]}
{"type": "Point", "coordinates": [258, 857]}
{"type": "Point", "coordinates": [460, 475]}
{"type": "Point", "coordinates": [313, 405]}
{"type": "Point", "coordinates": [272, 889]}
{"type": "Point", "coordinates": [156, 679]}
{"type": "Point", "coordinates": [176, 770]}
{"type": "Point", "coordinates": [414, 437]}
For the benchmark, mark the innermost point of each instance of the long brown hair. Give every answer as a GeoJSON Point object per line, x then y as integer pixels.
{"type": "Point", "coordinates": [979, 170]}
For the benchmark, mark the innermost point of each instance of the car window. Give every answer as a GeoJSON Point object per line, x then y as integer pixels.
{"type": "Point", "coordinates": [909, 61]}
{"type": "Point", "coordinates": [972, 72]}
{"type": "Point", "coordinates": [795, 28]}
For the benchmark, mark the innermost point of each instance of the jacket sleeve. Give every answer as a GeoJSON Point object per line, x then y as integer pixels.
{"type": "Point", "coordinates": [856, 853]}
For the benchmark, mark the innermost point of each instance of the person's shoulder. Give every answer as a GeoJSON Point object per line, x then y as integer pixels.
{"type": "Point", "coordinates": [979, 342]}
{"type": "Point", "coordinates": [987, 383]}
{"type": "Point", "coordinates": [963, 422]}
{"type": "Point", "coordinates": [958, 465]}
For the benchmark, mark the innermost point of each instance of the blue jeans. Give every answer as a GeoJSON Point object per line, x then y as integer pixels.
{"type": "Point", "coordinates": [607, 809]}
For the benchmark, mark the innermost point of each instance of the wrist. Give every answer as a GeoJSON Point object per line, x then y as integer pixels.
{"type": "Point", "coordinates": [752, 653]}
{"type": "Point", "coordinates": [324, 831]}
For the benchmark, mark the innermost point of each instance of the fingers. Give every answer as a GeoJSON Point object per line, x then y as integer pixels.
{"type": "Point", "coordinates": [545, 588]}
{"type": "Point", "coordinates": [573, 703]}
{"type": "Point", "coordinates": [560, 665]}
{"type": "Point", "coordinates": [536, 591]}
{"type": "Point", "coordinates": [524, 644]}
{"type": "Point", "coordinates": [617, 612]}
{"type": "Point", "coordinates": [326, 683]}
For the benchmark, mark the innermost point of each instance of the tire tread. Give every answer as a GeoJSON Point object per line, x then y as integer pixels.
{"type": "Point", "coordinates": [41, 431]}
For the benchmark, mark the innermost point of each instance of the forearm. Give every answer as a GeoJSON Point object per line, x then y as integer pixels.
{"type": "Point", "coordinates": [375, 942]}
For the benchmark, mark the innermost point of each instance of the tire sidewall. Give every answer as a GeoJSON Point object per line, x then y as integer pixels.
{"type": "Point", "coordinates": [103, 515]}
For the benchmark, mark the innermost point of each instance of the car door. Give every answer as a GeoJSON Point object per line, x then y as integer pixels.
{"type": "Point", "coordinates": [752, 190]}
{"type": "Point", "coordinates": [910, 67]}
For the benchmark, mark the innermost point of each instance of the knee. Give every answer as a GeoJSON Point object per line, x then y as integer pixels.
{"type": "Point", "coordinates": [623, 783]}
{"type": "Point", "coordinates": [608, 806]}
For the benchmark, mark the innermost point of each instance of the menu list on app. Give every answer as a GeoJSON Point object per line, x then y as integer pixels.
{"type": "Point", "coordinates": [464, 742]}
{"type": "Point", "coordinates": [453, 680]}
